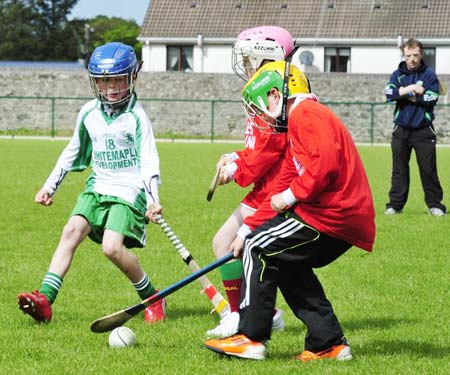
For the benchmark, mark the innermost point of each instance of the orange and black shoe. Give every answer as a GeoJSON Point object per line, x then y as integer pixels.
{"type": "Point", "coordinates": [238, 346]}
{"type": "Point", "coordinates": [340, 352]}
{"type": "Point", "coordinates": [36, 305]}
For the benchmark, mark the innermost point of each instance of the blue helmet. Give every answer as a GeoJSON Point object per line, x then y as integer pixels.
{"type": "Point", "coordinates": [113, 69]}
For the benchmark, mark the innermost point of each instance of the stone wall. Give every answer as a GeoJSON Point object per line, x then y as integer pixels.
{"type": "Point", "coordinates": [181, 104]}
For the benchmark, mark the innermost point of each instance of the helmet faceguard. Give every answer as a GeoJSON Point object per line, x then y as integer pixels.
{"type": "Point", "coordinates": [271, 76]}
{"type": "Point", "coordinates": [113, 70]}
{"type": "Point", "coordinates": [257, 45]}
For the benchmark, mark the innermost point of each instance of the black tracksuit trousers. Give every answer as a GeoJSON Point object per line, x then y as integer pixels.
{"type": "Point", "coordinates": [282, 254]}
{"type": "Point", "coordinates": [423, 141]}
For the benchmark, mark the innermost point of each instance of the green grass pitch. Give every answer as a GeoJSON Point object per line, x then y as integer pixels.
{"type": "Point", "coordinates": [393, 304]}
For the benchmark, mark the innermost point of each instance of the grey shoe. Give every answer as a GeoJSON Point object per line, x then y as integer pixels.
{"type": "Point", "coordinates": [391, 211]}
{"type": "Point", "coordinates": [277, 320]}
{"type": "Point", "coordinates": [435, 211]}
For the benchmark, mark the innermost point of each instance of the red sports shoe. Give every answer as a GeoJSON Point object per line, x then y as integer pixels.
{"type": "Point", "coordinates": [156, 312]}
{"type": "Point", "coordinates": [36, 305]}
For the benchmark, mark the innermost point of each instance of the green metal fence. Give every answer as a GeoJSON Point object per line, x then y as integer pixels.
{"type": "Point", "coordinates": [212, 119]}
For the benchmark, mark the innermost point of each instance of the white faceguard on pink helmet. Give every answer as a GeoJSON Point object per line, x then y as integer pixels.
{"type": "Point", "coordinates": [259, 44]}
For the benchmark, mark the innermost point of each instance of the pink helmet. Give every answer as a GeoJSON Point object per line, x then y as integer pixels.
{"type": "Point", "coordinates": [257, 45]}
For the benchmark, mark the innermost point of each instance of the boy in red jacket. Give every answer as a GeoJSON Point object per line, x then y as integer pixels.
{"type": "Point", "coordinates": [320, 206]}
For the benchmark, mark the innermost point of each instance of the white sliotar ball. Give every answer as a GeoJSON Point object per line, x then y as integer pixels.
{"type": "Point", "coordinates": [121, 337]}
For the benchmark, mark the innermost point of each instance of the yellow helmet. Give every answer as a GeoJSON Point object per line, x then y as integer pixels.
{"type": "Point", "coordinates": [298, 83]}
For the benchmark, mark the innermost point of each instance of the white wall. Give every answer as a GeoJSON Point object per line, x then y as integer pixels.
{"type": "Point", "coordinates": [364, 59]}
{"type": "Point", "coordinates": [443, 60]}
{"type": "Point", "coordinates": [217, 59]}
{"type": "Point", "coordinates": [198, 57]}
{"type": "Point", "coordinates": [154, 57]}
{"type": "Point", "coordinates": [374, 59]}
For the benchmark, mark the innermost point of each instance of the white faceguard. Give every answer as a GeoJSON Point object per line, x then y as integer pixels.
{"type": "Point", "coordinates": [248, 55]}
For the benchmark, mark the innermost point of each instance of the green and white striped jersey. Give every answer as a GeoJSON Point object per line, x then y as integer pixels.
{"type": "Point", "coordinates": [121, 150]}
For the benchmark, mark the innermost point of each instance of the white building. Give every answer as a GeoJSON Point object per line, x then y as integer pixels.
{"type": "Point", "coordinates": [353, 36]}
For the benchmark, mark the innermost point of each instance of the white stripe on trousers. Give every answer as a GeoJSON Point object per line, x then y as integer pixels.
{"type": "Point", "coordinates": [263, 239]}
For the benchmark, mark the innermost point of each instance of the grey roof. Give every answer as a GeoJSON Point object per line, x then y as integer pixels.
{"type": "Point", "coordinates": [421, 19]}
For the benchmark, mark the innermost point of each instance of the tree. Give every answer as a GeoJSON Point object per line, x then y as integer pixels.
{"type": "Point", "coordinates": [36, 29]}
{"type": "Point", "coordinates": [15, 29]}
{"type": "Point", "coordinates": [50, 20]}
{"type": "Point", "coordinates": [113, 29]}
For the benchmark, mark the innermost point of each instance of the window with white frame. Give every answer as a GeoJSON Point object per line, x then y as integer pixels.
{"type": "Point", "coordinates": [337, 59]}
{"type": "Point", "coordinates": [180, 58]}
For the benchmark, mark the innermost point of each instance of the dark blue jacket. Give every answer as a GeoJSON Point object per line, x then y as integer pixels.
{"type": "Point", "coordinates": [413, 114]}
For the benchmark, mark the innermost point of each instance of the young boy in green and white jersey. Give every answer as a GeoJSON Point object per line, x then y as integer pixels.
{"type": "Point", "coordinates": [114, 135]}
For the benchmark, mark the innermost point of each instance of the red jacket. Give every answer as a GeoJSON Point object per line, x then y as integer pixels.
{"type": "Point", "coordinates": [259, 162]}
{"type": "Point", "coordinates": [324, 172]}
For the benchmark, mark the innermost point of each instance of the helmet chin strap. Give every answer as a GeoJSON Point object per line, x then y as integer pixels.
{"type": "Point", "coordinates": [275, 114]}
{"type": "Point", "coordinates": [283, 121]}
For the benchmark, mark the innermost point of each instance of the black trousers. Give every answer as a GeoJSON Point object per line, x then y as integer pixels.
{"type": "Point", "coordinates": [423, 141]}
{"type": "Point", "coordinates": [282, 253]}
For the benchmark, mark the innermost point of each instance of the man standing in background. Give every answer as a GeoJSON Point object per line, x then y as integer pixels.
{"type": "Point", "coordinates": [415, 88]}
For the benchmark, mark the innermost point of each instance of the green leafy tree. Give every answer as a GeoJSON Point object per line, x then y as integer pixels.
{"type": "Point", "coordinates": [113, 29]}
{"type": "Point", "coordinates": [36, 30]}
{"type": "Point", "coordinates": [39, 30]}
{"type": "Point", "coordinates": [16, 30]}
{"type": "Point", "coordinates": [50, 26]}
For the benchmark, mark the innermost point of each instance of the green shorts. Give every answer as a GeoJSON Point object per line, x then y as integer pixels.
{"type": "Point", "coordinates": [108, 212]}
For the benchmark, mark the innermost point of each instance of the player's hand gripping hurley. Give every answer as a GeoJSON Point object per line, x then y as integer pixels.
{"type": "Point", "coordinates": [109, 322]}
{"type": "Point", "coordinates": [221, 305]}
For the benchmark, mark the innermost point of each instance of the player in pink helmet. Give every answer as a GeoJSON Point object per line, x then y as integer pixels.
{"type": "Point", "coordinates": [257, 164]}
{"type": "Point", "coordinates": [258, 45]}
